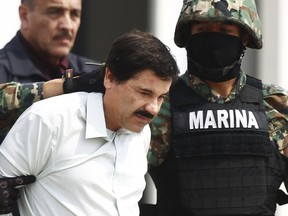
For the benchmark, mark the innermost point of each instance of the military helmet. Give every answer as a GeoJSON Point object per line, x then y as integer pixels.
{"type": "Point", "coordinates": [240, 12]}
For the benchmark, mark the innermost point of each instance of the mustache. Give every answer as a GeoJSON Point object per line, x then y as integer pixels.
{"type": "Point", "coordinates": [66, 34]}
{"type": "Point", "coordinates": [145, 114]}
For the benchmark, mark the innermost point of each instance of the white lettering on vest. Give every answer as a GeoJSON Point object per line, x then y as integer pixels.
{"type": "Point", "coordinates": [222, 116]}
{"type": "Point", "coordinates": [210, 120]}
{"type": "Point", "coordinates": [222, 119]}
{"type": "Point", "coordinates": [196, 121]}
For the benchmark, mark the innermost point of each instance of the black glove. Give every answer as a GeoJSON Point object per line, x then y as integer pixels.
{"type": "Point", "coordinates": [87, 82]}
{"type": "Point", "coordinates": [281, 197]}
{"type": "Point", "coordinates": [8, 192]}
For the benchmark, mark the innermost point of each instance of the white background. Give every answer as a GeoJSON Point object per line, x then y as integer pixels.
{"type": "Point", "coordinates": [9, 20]}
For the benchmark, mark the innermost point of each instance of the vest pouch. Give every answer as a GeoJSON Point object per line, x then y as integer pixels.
{"type": "Point", "coordinates": [226, 163]}
{"type": "Point", "coordinates": [235, 181]}
{"type": "Point", "coordinates": [229, 185]}
{"type": "Point", "coordinates": [211, 144]}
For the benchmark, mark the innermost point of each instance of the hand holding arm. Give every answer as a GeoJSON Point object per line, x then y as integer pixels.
{"type": "Point", "coordinates": [87, 82]}
{"type": "Point", "coordinates": [9, 192]}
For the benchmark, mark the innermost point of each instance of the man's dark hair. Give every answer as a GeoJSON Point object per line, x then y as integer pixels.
{"type": "Point", "coordinates": [137, 51]}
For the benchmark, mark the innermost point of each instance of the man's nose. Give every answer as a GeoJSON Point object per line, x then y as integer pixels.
{"type": "Point", "coordinates": [153, 107]}
{"type": "Point", "coordinates": [66, 22]}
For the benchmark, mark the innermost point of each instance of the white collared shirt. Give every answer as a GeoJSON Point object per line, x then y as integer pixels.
{"type": "Point", "coordinates": [81, 167]}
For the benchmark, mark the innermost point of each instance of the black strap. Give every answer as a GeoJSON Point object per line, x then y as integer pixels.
{"type": "Point", "coordinates": [254, 82]}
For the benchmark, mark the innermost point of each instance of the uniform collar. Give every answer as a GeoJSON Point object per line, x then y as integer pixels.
{"type": "Point", "coordinates": [50, 70]}
{"type": "Point", "coordinates": [206, 92]}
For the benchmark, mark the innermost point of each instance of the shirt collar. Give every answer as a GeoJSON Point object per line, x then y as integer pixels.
{"type": "Point", "coordinates": [95, 119]}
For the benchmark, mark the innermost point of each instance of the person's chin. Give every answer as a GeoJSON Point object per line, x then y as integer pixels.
{"type": "Point", "coordinates": [136, 128]}
{"type": "Point", "coordinates": [62, 52]}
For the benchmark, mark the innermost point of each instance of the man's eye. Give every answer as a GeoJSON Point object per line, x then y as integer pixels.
{"type": "Point", "coordinates": [75, 14]}
{"type": "Point", "coordinates": [201, 29]}
{"type": "Point", "coordinates": [226, 30]}
{"type": "Point", "coordinates": [53, 11]}
{"type": "Point", "coordinates": [164, 97]}
{"type": "Point", "coordinates": [145, 93]}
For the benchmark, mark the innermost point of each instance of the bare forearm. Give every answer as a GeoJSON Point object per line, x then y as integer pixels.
{"type": "Point", "coordinates": [53, 88]}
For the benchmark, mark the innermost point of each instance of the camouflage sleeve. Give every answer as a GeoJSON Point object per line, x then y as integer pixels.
{"type": "Point", "coordinates": [161, 135]}
{"type": "Point", "coordinates": [276, 103]}
{"type": "Point", "coordinates": [15, 98]}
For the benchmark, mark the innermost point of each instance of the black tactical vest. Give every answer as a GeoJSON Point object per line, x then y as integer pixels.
{"type": "Point", "coordinates": [226, 163]}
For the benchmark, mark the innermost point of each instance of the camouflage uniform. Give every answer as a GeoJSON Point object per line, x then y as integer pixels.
{"type": "Point", "coordinates": [275, 103]}
{"type": "Point", "coordinates": [14, 99]}
{"type": "Point", "coordinates": [175, 183]}
{"type": "Point", "coordinates": [244, 14]}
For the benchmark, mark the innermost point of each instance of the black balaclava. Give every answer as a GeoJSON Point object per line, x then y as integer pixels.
{"type": "Point", "coordinates": [214, 56]}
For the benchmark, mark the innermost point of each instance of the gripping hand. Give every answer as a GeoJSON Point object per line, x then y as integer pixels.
{"type": "Point", "coordinates": [8, 192]}
{"type": "Point", "coordinates": [87, 82]}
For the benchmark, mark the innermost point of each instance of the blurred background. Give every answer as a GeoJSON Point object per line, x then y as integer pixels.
{"type": "Point", "coordinates": [103, 21]}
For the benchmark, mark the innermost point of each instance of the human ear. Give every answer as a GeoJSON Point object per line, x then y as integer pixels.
{"type": "Point", "coordinates": [245, 38]}
{"type": "Point", "coordinates": [108, 78]}
{"type": "Point", "coordinates": [23, 15]}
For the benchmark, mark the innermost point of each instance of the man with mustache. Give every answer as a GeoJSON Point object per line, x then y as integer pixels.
{"type": "Point", "coordinates": [221, 169]}
{"type": "Point", "coordinates": [88, 151]}
{"type": "Point", "coordinates": [40, 50]}
{"type": "Point", "coordinates": [15, 98]}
